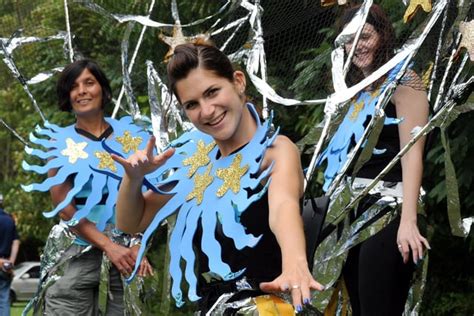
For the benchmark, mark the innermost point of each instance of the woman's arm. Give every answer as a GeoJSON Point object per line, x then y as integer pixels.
{"type": "Point", "coordinates": [285, 221]}
{"type": "Point", "coordinates": [122, 257]}
{"type": "Point", "coordinates": [136, 210]}
{"type": "Point", "coordinates": [412, 107]}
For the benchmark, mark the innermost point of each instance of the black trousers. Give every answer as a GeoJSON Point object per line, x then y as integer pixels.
{"type": "Point", "coordinates": [376, 277]}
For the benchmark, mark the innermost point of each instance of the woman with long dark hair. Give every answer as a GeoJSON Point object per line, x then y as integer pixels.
{"type": "Point", "coordinates": [379, 270]}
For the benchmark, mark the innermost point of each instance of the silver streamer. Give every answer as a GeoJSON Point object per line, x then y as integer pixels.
{"type": "Point", "coordinates": [21, 139]}
{"type": "Point", "coordinates": [44, 76]}
{"type": "Point", "coordinates": [127, 84]}
{"type": "Point", "coordinates": [68, 29]}
{"type": "Point", "coordinates": [132, 61]}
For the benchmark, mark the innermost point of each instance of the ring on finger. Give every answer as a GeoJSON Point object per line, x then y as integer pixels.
{"type": "Point", "coordinates": [295, 287]}
{"type": "Point", "coordinates": [399, 246]}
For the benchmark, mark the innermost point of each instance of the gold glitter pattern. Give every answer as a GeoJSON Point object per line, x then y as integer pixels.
{"type": "Point", "coordinates": [128, 142]}
{"type": "Point", "coordinates": [199, 158]}
{"type": "Point", "coordinates": [201, 182]}
{"type": "Point", "coordinates": [105, 161]}
{"type": "Point", "coordinates": [357, 108]}
{"type": "Point", "coordinates": [74, 150]}
{"type": "Point", "coordinates": [360, 105]}
{"type": "Point", "coordinates": [231, 176]}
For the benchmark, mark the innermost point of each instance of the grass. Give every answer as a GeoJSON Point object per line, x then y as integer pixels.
{"type": "Point", "coordinates": [17, 308]}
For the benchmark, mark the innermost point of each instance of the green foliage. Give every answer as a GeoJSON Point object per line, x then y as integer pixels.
{"type": "Point", "coordinates": [450, 282]}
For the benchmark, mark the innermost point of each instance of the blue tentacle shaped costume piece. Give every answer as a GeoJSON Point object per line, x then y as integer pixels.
{"type": "Point", "coordinates": [74, 155]}
{"type": "Point", "coordinates": [208, 189]}
{"type": "Point", "coordinates": [352, 128]}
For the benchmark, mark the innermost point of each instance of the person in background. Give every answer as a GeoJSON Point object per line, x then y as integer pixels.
{"type": "Point", "coordinates": [378, 271]}
{"type": "Point", "coordinates": [84, 90]}
{"type": "Point", "coordinates": [9, 245]}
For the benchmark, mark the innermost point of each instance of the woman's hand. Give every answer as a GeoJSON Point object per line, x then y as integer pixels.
{"type": "Point", "coordinates": [143, 162]}
{"type": "Point", "coordinates": [123, 258]}
{"type": "Point", "coordinates": [409, 238]}
{"type": "Point", "coordinates": [297, 279]}
{"type": "Point", "coordinates": [145, 268]}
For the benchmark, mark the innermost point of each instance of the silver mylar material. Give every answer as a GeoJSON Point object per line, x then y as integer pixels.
{"type": "Point", "coordinates": [127, 81]}
{"type": "Point", "coordinates": [132, 61]}
{"type": "Point", "coordinates": [68, 30]}
{"type": "Point", "coordinates": [21, 139]}
{"type": "Point", "coordinates": [44, 76]}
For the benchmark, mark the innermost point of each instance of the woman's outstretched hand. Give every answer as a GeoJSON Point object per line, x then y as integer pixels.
{"type": "Point", "coordinates": [143, 162]}
{"type": "Point", "coordinates": [410, 239]}
{"type": "Point", "coordinates": [298, 281]}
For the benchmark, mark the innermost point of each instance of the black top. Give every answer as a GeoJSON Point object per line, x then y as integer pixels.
{"type": "Point", "coordinates": [389, 141]}
{"type": "Point", "coordinates": [262, 263]}
{"type": "Point", "coordinates": [8, 234]}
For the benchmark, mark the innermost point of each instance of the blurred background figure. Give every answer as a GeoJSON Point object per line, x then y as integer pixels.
{"type": "Point", "coordinates": [9, 244]}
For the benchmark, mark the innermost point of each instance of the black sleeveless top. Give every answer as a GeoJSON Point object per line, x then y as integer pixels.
{"type": "Point", "coordinates": [261, 263]}
{"type": "Point", "coordinates": [389, 141]}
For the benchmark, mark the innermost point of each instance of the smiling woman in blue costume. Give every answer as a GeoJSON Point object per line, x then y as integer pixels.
{"type": "Point", "coordinates": [212, 95]}
{"type": "Point", "coordinates": [379, 270]}
{"type": "Point", "coordinates": [73, 255]}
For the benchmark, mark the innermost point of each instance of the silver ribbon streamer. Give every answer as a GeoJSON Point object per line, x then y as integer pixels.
{"type": "Point", "coordinates": [68, 30]}
{"type": "Point", "coordinates": [127, 81]}
{"type": "Point", "coordinates": [21, 139]}
{"type": "Point", "coordinates": [132, 61]}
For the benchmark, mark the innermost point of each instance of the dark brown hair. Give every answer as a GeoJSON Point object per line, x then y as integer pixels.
{"type": "Point", "coordinates": [68, 77]}
{"type": "Point", "coordinates": [383, 26]}
{"type": "Point", "coordinates": [202, 54]}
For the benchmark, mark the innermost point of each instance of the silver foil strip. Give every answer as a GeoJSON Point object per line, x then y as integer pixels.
{"type": "Point", "coordinates": [438, 55]}
{"type": "Point", "coordinates": [441, 91]}
{"type": "Point", "coordinates": [7, 46]}
{"type": "Point", "coordinates": [68, 30]}
{"type": "Point", "coordinates": [132, 61]}
{"type": "Point", "coordinates": [145, 20]}
{"type": "Point", "coordinates": [9, 62]}
{"type": "Point", "coordinates": [15, 41]}
{"type": "Point", "coordinates": [159, 105]}
{"type": "Point", "coordinates": [44, 76]}
{"type": "Point", "coordinates": [127, 81]}
{"type": "Point", "coordinates": [21, 139]}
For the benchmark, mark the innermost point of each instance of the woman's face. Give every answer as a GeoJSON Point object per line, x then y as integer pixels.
{"type": "Point", "coordinates": [86, 94]}
{"type": "Point", "coordinates": [365, 52]}
{"type": "Point", "coordinates": [212, 103]}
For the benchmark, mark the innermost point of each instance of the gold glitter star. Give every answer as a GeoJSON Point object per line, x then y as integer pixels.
{"type": "Point", "coordinates": [74, 150]}
{"type": "Point", "coordinates": [231, 176]}
{"type": "Point", "coordinates": [128, 142]}
{"type": "Point", "coordinates": [467, 40]}
{"type": "Point", "coordinates": [199, 158]}
{"type": "Point", "coordinates": [414, 6]}
{"type": "Point", "coordinates": [357, 108]}
{"type": "Point", "coordinates": [105, 161]}
{"type": "Point", "coordinates": [201, 182]}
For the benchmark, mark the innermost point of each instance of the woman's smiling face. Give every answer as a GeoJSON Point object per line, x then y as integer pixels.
{"type": "Point", "coordinates": [365, 52]}
{"type": "Point", "coordinates": [213, 103]}
{"type": "Point", "coordinates": [86, 94]}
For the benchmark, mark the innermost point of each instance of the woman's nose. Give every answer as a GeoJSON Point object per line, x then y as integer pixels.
{"type": "Point", "coordinates": [207, 109]}
{"type": "Point", "coordinates": [81, 89]}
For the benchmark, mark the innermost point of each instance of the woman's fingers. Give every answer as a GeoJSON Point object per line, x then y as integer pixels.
{"type": "Point", "coordinates": [296, 294]}
{"type": "Point", "coordinates": [150, 145]}
{"type": "Point", "coordinates": [119, 159]}
{"type": "Point", "coordinates": [161, 158]}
